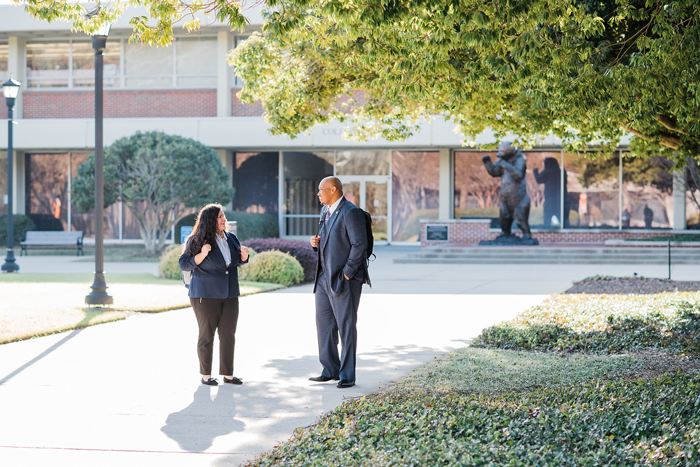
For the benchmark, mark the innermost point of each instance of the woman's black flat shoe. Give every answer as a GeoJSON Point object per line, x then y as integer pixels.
{"type": "Point", "coordinates": [211, 381]}
{"type": "Point", "coordinates": [233, 380]}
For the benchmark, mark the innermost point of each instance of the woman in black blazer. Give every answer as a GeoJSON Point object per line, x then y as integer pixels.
{"type": "Point", "coordinates": [213, 255]}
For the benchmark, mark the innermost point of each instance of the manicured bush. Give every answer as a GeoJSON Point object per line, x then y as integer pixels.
{"type": "Point", "coordinates": [248, 224]}
{"type": "Point", "coordinates": [169, 265]}
{"type": "Point", "coordinates": [300, 249]}
{"type": "Point", "coordinates": [603, 324]}
{"type": "Point", "coordinates": [274, 267]}
{"type": "Point", "coordinates": [21, 224]}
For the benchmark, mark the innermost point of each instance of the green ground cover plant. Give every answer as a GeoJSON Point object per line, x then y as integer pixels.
{"type": "Point", "coordinates": [534, 405]}
{"type": "Point", "coordinates": [603, 324]}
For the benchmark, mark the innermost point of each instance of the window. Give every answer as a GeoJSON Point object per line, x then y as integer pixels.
{"type": "Point", "coordinates": [302, 173]}
{"type": "Point", "coordinates": [416, 186]}
{"type": "Point", "coordinates": [476, 193]}
{"type": "Point", "coordinates": [3, 182]}
{"type": "Point", "coordinates": [4, 57]}
{"type": "Point", "coordinates": [187, 63]}
{"type": "Point", "coordinates": [70, 64]}
{"type": "Point", "coordinates": [593, 191]}
{"type": "Point", "coordinates": [255, 178]}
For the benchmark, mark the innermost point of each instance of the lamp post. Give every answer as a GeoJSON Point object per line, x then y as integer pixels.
{"type": "Point", "coordinates": [11, 90]}
{"type": "Point", "coordinates": [99, 295]}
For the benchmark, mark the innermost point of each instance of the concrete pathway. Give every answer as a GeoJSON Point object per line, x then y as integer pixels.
{"type": "Point", "coordinates": [128, 393]}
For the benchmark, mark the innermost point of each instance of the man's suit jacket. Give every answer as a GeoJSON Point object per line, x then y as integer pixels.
{"type": "Point", "coordinates": [342, 250]}
{"type": "Point", "coordinates": [211, 278]}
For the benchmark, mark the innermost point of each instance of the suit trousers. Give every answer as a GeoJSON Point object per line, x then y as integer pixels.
{"type": "Point", "coordinates": [337, 317]}
{"type": "Point", "coordinates": [213, 313]}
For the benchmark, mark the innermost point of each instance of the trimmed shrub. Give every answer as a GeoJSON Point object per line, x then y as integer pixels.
{"type": "Point", "coordinates": [169, 265]}
{"type": "Point", "coordinates": [248, 224]}
{"type": "Point", "coordinates": [300, 249]}
{"type": "Point", "coordinates": [21, 224]}
{"type": "Point", "coordinates": [273, 266]}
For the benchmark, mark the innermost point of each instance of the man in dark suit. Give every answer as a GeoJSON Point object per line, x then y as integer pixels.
{"type": "Point", "coordinates": [342, 269]}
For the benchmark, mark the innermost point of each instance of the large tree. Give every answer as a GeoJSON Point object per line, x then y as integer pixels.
{"type": "Point", "coordinates": [155, 174]}
{"type": "Point", "coordinates": [584, 70]}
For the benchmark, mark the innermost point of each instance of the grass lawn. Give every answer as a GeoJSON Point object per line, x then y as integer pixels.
{"type": "Point", "coordinates": [673, 238]}
{"type": "Point", "coordinates": [35, 305]}
{"type": "Point", "coordinates": [573, 403]}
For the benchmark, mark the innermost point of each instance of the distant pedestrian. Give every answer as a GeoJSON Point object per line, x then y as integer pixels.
{"type": "Point", "coordinates": [213, 255]}
{"type": "Point", "coordinates": [342, 269]}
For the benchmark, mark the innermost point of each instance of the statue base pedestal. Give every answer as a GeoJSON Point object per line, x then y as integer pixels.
{"type": "Point", "coordinates": [511, 240]}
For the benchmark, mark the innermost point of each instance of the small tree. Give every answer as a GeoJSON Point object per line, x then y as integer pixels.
{"type": "Point", "coordinates": [155, 174]}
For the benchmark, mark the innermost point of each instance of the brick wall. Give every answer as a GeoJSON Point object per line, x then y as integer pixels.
{"type": "Point", "coordinates": [121, 104]}
{"type": "Point", "coordinates": [472, 231]}
{"type": "Point", "coordinates": [240, 109]}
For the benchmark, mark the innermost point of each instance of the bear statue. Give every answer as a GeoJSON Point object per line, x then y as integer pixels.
{"type": "Point", "coordinates": [515, 203]}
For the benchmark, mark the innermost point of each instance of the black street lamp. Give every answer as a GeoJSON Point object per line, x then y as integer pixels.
{"type": "Point", "coordinates": [99, 295]}
{"type": "Point", "coordinates": [11, 90]}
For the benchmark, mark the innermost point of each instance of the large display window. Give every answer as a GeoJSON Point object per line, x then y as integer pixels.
{"type": "Point", "coordinates": [416, 185]}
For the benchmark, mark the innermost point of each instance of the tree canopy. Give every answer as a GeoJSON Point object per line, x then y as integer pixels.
{"type": "Point", "coordinates": [155, 174]}
{"type": "Point", "coordinates": [156, 28]}
{"type": "Point", "coordinates": [584, 70]}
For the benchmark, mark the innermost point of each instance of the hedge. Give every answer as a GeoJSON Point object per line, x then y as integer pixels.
{"type": "Point", "coordinates": [300, 249]}
{"type": "Point", "coordinates": [248, 224]}
{"type": "Point", "coordinates": [21, 224]}
{"type": "Point", "coordinates": [169, 263]}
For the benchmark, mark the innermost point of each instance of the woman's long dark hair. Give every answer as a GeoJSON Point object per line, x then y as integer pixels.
{"type": "Point", "coordinates": [204, 230]}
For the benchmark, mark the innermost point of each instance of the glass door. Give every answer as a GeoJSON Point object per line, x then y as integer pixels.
{"type": "Point", "coordinates": [371, 193]}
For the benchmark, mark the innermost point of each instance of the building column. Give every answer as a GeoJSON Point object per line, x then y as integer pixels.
{"type": "Point", "coordinates": [224, 43]}
{"type": "Point", "coordinates": [17, 65]}
{"type": "Point", "coordinates": [446, 197]}
{"type": "Point", "coordinates": [679, 189]}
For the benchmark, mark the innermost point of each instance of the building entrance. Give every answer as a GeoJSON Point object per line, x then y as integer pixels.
{"type": "Point", "coordinates": [371, 193]}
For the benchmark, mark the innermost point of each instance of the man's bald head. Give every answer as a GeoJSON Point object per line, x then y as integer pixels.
{"type": "Point", "coordinates": [330, 190]}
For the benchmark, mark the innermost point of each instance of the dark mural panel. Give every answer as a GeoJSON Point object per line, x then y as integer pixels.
{"type": "Point", "coordinates": [255, 178]}
{"type": "Point", "coordinates": [303, 171]}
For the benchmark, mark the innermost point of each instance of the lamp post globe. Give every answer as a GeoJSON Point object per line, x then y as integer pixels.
{"type": "Point", "coordinates": [10, 90]}
{"type": "Point", "coordinates": [99, 295]}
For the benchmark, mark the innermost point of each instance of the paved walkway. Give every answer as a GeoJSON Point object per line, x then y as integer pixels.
{"type": "Point", "coordinates": [128, 393]}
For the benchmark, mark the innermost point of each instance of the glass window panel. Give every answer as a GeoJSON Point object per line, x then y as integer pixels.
{"type": "Point", "coordinates": [303, 171]}
{"type": "Point", "coordinates": [142, 60]}
{"type": "Point", "coordinates": [415, 192]}
{"type": "Point", "coordinates": [376, 204]}
{"type": "Point", "coordinates": [47, 190]}
{"type": "Point", "coordinates": [84, 64]}
{"type": "Point", "coordinates": [78, 220]}
{"type": "Point", "coordinates": [544, 189]}
{"type": "Point", "coordinates": [196, 81]}
{"type": "Point", "coordinates": [48, 64]}
{"type": "Point", "coordinates": [255, 178]}
{"type": "Point", "coordinates": [647, 193]}
{"type": "Point", "coordinates": [4, 56]}
{"type": "Point", "coordinates": [149, 82]}
{"type": "Point", "coordinates": [593, 191]}
{"type": "Point", "coordinates": [196, 56]}
{"type": "Point", "coordinates": [3, 182]}
{"type": "Point", "coordinates": [477, 194]}
{"type": "Point", "coordinates": [375, 162]}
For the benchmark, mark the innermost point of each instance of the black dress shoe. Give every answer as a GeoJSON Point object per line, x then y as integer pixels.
{"type": "Point", "coordinates": [210, 382]}
{"type": "Point", "coordinates": [233, 380]}
{"type": "Point", "coordinates": [322, 379]}
{"type": "Point", "coordinates": [345, 384]}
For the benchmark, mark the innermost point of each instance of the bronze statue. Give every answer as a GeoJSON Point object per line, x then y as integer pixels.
{"type": "Point", "coordinates": [515, 203]}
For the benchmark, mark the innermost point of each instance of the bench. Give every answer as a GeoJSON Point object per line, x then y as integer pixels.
{"type": "Point", "coordinates": [52, 239]}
